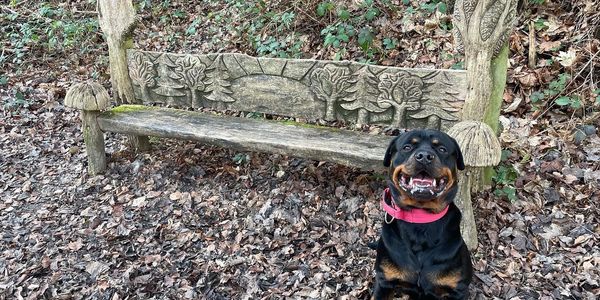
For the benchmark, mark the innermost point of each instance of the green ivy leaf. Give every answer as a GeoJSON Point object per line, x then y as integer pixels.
{"type": "Point", "coordinates": [365, 38]}
{"type": "Point", "coordinates": [371, 14]}
{"type": "Point", "coordinates": [442, 7]}
{"type": "Point", "coordinates": [344, 14]}
{"type": "Point", "coordinates": [536, 97]}
{"type": "Point", "coordinates": [562, 101]}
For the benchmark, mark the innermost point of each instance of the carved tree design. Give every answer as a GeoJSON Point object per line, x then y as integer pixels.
{"type": "Point", "coordinates": [191, 72]}
{"type": "Point", "coordinates": [364, 95]}
{"type": "Point", "coordinates": [219, 82]}
{"type": "Point", "coordinates": [435, 112]}
{"type": "Point", "coordinates": [143, 73]}
{"type": "Point", "coordinates": [481, 29]}
{"type": "Point", "coordinates": [330, 83]}
{"type": "Point", "coordinates": [401, 90]}
{"type": "Point", "coordinates": [171, 91]}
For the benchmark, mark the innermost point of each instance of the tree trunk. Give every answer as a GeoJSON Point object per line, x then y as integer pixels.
{"type": "Point", "coordinates": [195, 97]}
{"type": "Point", "coordinates": [434, 122]}
{"type": "Point", "coordinates": [330, 113]}
{"type": "Point", "coordinates": [363, 116]}
{"type": "Point", "coordinates": [399, 113]}
{"type": "Point", "coordinates": [479, 85]}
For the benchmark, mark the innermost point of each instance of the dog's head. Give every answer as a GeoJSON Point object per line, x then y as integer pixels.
{"type": "Point", "coordinates": [422, 169]}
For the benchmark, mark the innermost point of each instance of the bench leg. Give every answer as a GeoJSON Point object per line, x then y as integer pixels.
{"type": "Point", "coordinates": [139, 143]}
{"type": "Point", "coordinates": [94, 142]}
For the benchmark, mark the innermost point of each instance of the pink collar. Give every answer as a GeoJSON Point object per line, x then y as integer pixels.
{"type": "Point", "coordinates": [415, 215]}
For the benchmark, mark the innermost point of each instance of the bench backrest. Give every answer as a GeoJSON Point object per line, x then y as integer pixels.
{"type": "Point", "coordinates": [303, 88]}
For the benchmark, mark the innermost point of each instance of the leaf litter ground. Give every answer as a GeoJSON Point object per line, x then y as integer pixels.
{"type": "Point", "coordinates": [193, 221]}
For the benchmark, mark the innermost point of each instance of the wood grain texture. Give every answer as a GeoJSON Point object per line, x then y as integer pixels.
{"type": "Point", "coordinates": [481, 29]}
{"type": "Point", "coordinates": [117, 20]}
{"type": "Point", "coordinates": [312, 89]}
{"type": "Point", "coordinates": [319, 143]}
{"type": "Point", "coordinates": [87, 96]}
{"type": "Point", "coordinates": [94, 142]}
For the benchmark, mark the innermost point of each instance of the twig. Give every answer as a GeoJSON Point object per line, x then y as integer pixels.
{"type": "Point", "coordinates": [532, 53]}
{"type": "Point", "coordinates": [308, 15]}
{"type": "Point", "coordinates": [4, 7]}
{"type": "Point", "coordinates": [85, 12]}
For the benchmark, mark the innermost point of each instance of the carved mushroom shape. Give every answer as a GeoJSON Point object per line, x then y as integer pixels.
{"type": "Point", "coordinates": [480, 148]}
{"type": "Point", "coordinates": [91, 99]}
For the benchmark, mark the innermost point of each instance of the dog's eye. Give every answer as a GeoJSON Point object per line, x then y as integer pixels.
{"type": "Point", "coordinates": [442, 149]}
{"type": "Point", "coordinates": [407, 147]}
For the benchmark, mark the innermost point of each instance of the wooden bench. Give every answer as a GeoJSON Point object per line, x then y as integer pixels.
{"type": "Point", "coordinates": [300, 89]}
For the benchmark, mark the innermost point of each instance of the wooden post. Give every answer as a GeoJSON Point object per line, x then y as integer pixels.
{"type": "Point", "coordinates": [482, 28]}
{"type": "Point", "coordinates": [90, 98]}
{"type": "Point", "coordinates": [117, 21]}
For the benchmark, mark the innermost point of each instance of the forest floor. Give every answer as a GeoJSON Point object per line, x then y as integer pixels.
{"type": "Point", "coordinates": [190, 221]}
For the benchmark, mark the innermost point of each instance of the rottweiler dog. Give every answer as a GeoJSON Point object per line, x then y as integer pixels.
{"type": "Point", "coordinates": [420, 250]}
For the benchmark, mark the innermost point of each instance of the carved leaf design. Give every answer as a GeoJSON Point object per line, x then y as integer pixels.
{"type": "Point", "coordinates": [142, 71]}
{"type": "Point", "coordinates": [490, 19]}
{"type": "Point", "coordinates": [469, 8]}
{"type": "Point", "coordinates": [434, 110]}
{"type": "Point", "coordinates": [492, 26]}
{"type": "Point", "coordinates": [219, 84]}
{"type": "Point", "coordinates": [191, 71]}
{"type": "Point", "coordinates": [364, 92]}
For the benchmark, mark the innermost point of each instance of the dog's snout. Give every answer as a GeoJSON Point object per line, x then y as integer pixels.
{"type": "Point", "coordinates": [424, 157]}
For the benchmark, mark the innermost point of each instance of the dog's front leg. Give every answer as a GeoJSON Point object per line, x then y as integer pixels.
{"type": "Point", "coordinates": [382, 290]}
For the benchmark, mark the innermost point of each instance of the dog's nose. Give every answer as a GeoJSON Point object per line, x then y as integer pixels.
{"type": "Point", "coordinates": [424, 157]}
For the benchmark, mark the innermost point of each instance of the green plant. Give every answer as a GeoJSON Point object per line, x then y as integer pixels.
{"type": "Point", "coordinates": [365, 38]}
{"type": "Point", "coordinates": [241, 158]}
{"type": "Point", "coordinates": [572, 101]}
{"type": "Point", "coordinates": [324, 8]}
{"type": "Point", "coordinates": [16, 102]}
{"type": "Point", "coordinates": [537, 2]}
{"type": "Point", "coordinates": [554, 90]}
{"type": "Point", "coordinates": [540, 24]}
{"type": "Point", "coordinates": [47, 28]}
{"type": "Point", "coordinates": [390, 44]}
{"type": "Point", "coordinates": [432, 6]}
{"type": "Point", "coordinates": [504, 178]}
{"type": "Point", "coordinates": [337, 34]}
{"type": "Point", "coordinates": [536, 99]}
{"type": "Point", "coordinates": [597, 93]}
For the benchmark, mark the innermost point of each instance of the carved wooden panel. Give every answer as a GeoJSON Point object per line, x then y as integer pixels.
{"type": "Point", "coordinates": [312, 89]}
{"type": "Point", "coordinates": [483, 24]}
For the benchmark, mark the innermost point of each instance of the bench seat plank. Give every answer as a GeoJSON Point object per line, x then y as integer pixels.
{"type": "Point", "coordinates": [308, 141]}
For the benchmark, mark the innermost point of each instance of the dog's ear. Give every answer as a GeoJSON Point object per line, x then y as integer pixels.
{"type": "Point", "coordinates": [389, 153]}
{"type": "Point", "coordinates": [460, 162]}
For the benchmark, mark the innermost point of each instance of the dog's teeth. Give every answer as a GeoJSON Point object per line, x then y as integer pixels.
{"type": "Point", "coordinates": [410, 182]}
{"type": "Point", "coordinates": [434, 183]}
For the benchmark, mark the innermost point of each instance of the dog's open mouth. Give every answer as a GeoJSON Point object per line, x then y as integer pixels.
{"type": "Point", "coordinates": [422, 184]}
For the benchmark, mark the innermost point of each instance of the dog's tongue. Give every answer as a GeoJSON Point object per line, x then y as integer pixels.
{"type": "Point", "coordinates": [422, 181]}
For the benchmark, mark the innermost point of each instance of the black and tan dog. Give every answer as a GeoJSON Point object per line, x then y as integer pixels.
{"type": "Point", "coordinates": [421, 250]}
